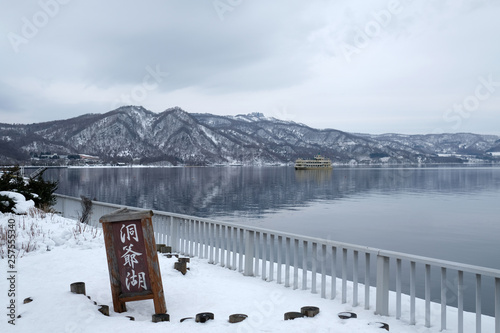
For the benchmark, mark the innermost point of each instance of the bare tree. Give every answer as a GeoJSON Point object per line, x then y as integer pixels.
{"type": "Point", "coordinates": [86, 205]}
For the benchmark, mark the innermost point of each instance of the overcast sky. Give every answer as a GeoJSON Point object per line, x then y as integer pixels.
{"type": "Point", "coordinates": [368, 66]}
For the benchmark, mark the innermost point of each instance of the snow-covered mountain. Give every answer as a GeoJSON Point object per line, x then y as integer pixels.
{"type": "Point", "coordinates": [177, 137]}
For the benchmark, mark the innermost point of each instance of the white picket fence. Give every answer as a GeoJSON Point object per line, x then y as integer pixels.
{"type": "Point", "coordinates": [301, 261]}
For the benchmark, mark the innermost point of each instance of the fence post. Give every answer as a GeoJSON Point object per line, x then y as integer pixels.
{"type": "Point", "coordinates": [382, 307]}
{"type": "Point", "coordinates": [174, 231]}
{"type": "Point", "coordinates": [240, 251]}
{"type": "Point", "coordinates": [314, 268]}
{"type": "Point", "coordinates": [497, 305]}
{"type": "Point", "coordinates": [280, 259]}
{"type": "Point", "coordinates": [249, 253]}
{"type": "Point", "coordinates": [271, 258]}
{"type": "Point", "coordinates": [264, 256]}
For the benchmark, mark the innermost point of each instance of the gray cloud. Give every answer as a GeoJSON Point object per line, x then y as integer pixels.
{"type": "Point", "coordinates": [341, 64]}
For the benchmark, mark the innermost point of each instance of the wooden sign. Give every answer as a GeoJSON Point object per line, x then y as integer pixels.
{"type": "Point", "coordinates": [133, 266]}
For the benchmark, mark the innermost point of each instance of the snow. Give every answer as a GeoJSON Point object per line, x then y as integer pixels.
{"type": "Point", "coordinates": [64, 251]}
{"type": "Point", "coordinates": [209, 135]}
{"type": "Point", "coordinates": [22, 205]}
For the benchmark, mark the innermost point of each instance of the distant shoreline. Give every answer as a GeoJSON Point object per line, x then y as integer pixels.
{"type": "Point", "coordinates": [357, 165]}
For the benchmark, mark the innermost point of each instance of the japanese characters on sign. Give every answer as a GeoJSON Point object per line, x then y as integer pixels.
{"type": "Point", "coordinates": [130, 254]}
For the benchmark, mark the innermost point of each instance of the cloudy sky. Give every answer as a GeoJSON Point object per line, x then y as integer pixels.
{"type": "Point", "coordinates": [372, 66]}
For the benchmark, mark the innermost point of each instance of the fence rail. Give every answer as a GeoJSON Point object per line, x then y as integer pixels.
{"type": "Point", "coordinates": [314, 264]}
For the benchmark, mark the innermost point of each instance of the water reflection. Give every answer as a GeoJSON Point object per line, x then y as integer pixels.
{"type": "Point", "coordinates": [252, 191]}
{"type": "Point", "coordinates": [316, 176]}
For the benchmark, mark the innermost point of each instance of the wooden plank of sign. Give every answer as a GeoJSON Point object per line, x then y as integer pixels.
{"type": "Point", "coordinates": [146, 245]}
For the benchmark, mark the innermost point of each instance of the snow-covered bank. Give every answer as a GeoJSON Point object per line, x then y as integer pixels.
{"type": "Point", "coordinates": [64, 251]}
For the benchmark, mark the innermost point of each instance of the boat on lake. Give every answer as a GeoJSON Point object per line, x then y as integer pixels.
{"type": "Point", "coordinates": [319, 162]}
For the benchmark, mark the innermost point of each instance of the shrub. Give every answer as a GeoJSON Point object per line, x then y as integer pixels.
{"type": "Point", "coordinates": [86, 205]}
{"type": "Point", "coordinates": [44, 190]}
{"type": "Point", "coordinates": [6, 204]}
{"type": "Point", "coordinates": [36, 189]}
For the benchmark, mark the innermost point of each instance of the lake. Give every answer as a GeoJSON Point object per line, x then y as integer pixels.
{"type": "Point", "coordinates": [450, 213]}
{"type": "Point", "coordinates": [445, 212]}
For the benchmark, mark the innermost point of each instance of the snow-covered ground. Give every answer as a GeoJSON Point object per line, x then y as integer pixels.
{"type": "Point", "coordinates": [63, 251]}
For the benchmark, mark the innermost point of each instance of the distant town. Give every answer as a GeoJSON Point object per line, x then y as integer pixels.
{"type": "Point", "coordinates": [49, 159]}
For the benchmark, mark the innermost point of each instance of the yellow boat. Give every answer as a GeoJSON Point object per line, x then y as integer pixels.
{"type": "Point", "coordinates": [319, 162]}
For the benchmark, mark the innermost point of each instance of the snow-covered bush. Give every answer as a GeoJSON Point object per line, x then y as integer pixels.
{"type": "Point", "coordinates": [36, 189]}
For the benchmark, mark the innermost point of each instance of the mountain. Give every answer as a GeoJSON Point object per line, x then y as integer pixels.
{"type": "Point", "coordinates": [175, 137]}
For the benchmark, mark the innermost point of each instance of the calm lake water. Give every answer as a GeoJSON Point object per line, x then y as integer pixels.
{"type": "Point", "coordinates": [451, 213]}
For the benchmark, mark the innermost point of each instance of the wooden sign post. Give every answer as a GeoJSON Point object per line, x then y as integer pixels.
{"type": "Point", "coordinates": [133, 266]}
